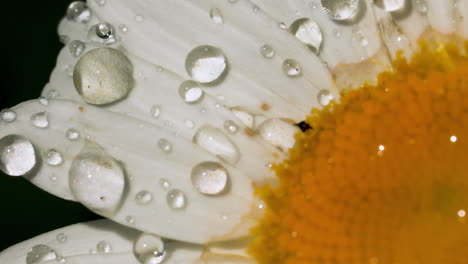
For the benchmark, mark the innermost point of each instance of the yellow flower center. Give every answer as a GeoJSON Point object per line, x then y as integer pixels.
{"type": "Point", "coordinates": [382, 176]}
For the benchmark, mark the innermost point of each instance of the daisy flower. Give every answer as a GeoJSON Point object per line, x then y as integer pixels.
{"type": "Point", "coordinates": [260, 131]}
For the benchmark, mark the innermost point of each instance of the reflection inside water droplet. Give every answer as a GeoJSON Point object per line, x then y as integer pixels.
{"type": "Point", "coordinates": [17, 155]}
{"type": "Point", "coordinates": [205, 64]}
{"type": "Point", "coordinates": [176, 199]}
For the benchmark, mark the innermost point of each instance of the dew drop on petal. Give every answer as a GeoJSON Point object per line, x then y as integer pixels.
{"type": "Point", "coordinates": [209, 178]}
{"type": "Point", "coordinates": [267, 51]}
{"type": "Point", "coordinates": [165, 145]}
{"type": "Point", "coordinates": [176, 199]}
{"type": "Point", "coordinates": [76, 48]}
{"type": "Point", "coordinates": [421, 6]}
{"type": "Point", "coordinates": [248, 119]}
{"type": "Point", "coordinates": [216, 15]}
{"type": "Point", "coordinates": [139, 18]}
{"type": "Point", "coordinates": [130, 219]}
{"type": "Point", "coordinates": [390, 5]}
{"type": "Point", "coordinates": [149, 249]}
{"type": "Point", "coordinates": [189, 123]}
{"type": "Point", "coordinates": [40, 253]}
{"type": "Point", "coordinates": [282, 25]}
{"type": "Point", "coordinates": [8, 115]}
{"type": "Point", "coordinates": [217, 143]}
{"type": "Point", "coordinates": [100, 2]}
{"type": "Point", "coordinates": [103, 247]}
{"type": "Point", "coordinates": [103, 33]}
{"type": "Point", "coordinates": [53, 157]}
{"type": "Point", "coordinates": [231, 127]}
{"type": "Point", "coordinates": [205, 64]}
{"type": "Point", "coordinates": [79, 12]}
{"type": "Point", "coordinates": [292, 68]}
{"type": "Point", "coordinates": [96, 179]}
{"type": "Point", "coordinates": [165, 184]}
{"type": "Point", "coordinates": [143, 197]}
{"type": "Point", "coordinates": [40, 120]}
{"type": "Point", "coordinates": [43, 101]}
{"type": "Point", "coordinates": [341, 9]}
{"type": "Point", "coordinates": [72, 134]}
{"type": "Point", "coordinates": [61, 238]}
{"type": "Point", "coordinates": [123, 28]}
{"type": "Point", "coordinates": [308, 32]}
{"type": "Point", "coordinates": [324, 97]}
{"type": "Point", "coordinates": [103, 75]}
{"type": "Point", "coordinates": [191, 92]}
{"type": "Point", "coordinates": [278, 133]}
{"type": "Point", "coordinates": [155, 111]}
{"type": "Point", "coordinates": [17, 155]}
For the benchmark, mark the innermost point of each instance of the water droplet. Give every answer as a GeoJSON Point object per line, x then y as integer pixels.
{"type": "Point", "coordinates": [100, 2]}
{"type": "Point", "coordinates": [143, 197]}
{"type": "Point", "coordinates": [267, 51]}
{"type": "Point", "coordinates": [255, 9]}
{"type": "Point", "coordinates": [165, 184]}
{"type": "Point", "coordinates": [209, 178]}
{"type": "Point", "coordinates": [191, 92]}
{"type": "Point", "coordinates": [102, 33]}
{"type": "Point", "coordinates": [341, 9]}
{"type": "Point", "coordinates": [232, 1]}
{"type": "Point", "coordinates": [390, 5]}
{"type": "Point", "coordinates": [176, 199]}
{"type": "Point", "coordinates": [421, 6]}
{"type": "Point", "coordinates": [96, 179]}
{"type": "Point", "coordinates": [245, 117]}
{"type": "Point", "coordinates": [103, 247]}
{"type": "Point", "coordinates": [52, 93]}
{"type": "Point", "coordinates": [336, 33]}
{"type": "Point", "coordinates": [40, 253]}
{"type": "Point", "coordinates": [53, 157]}
{"type": "Point", "coordinates": [282, 25]}
{"type": "Point", "coordinates": [130, 219]}
{"type": "Point", "coordinates": [278, 133]}
{"type": "Point", "coordinates": [40, 120]}
{"type": "Point", "coordinates": [72, 134]}
{"type": "Point", "coordinates": [308, 32]}
{"type": "Point", "coordinates": [76, 48]}
{"type": "Point", "coordinates": [139, 18]}
{"type": "Point", "coordinates": [217, 143]}
{"type": "Point", "coordinates": [165, 145]}
{"type": "Point", "coordinates": [79, 12]}
{"type": "Point", "coordinates": [216, 15]}
{"type": "Point", "coordinates": [103, 30]}
{"type": "Point", "coordinates": [155, 111]}
{"type": "Point", "coordinates": [103, 76]}
{"type": "Point", "coordinates": [68, 70]}
{"type": "Point", "coordinates": [43, 101]}
{"type": "Point", "coordinates": [61, 260]}
{"type": "Point", "coordinates": [189, 123]}
{"type": "Point", "coordinates": [292, 68]}
{"type": "Point", "coordinates": [205, 64]}
{"type": "Point", "coordinates": [8, 115]}
{"type": "Point", "coordinates": [61, 238]}
{"type": "Point", "coordinates": [123, 28]}
{"type": "Point", "coordinates": [149, 249]}
{"type": "Point", "coordinates": [231, 126]}
{"type": "Point", "coordinates": [324, 97]}
{"type": "Point", "coordinates": [53, 178]}
{"type": "Point", "coordinates": [17, 155]}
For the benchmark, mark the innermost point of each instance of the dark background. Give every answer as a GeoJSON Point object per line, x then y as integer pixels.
{"type": "Point", "coordinates": [29, 48]}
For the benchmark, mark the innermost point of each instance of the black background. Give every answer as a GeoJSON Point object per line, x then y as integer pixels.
{"type": "Point", "coordinates": [29, 48]}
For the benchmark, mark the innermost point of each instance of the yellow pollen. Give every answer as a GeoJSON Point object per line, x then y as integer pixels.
{"type": "Point", "coordinates": [382, 176]}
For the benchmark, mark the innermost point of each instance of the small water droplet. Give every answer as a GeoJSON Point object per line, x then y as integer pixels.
{"type": "Point", "coordinates": [189, 123]}
{"type": "Point", "coordinates": [324, 97]}
{"type": "Point", "coordinates": [292, 68]}
{"type": "Point", "coordinates": [40, 253]}
{"type": "Point", "coordinates": [139, 18]}
{"type": "Point", "coordinates": [100, 2]}
{"type": "Point", "coordinates": [282, 25]}
{"type": "Point", "coordinates": [149, 249]}
{"type": "Point", "coordinates": [255, 9]}
{"type": "Point", "coordinates": [103, 30]}
{"type": "Point", "coordinates": [191, 92]}
{"type": "Point", "coordinates": [76, 48]}
{"type": "Point", "coordinates": [165, 145]}
{"type": "Point", "coordinates": [278, 133]}
{"type": "Point", "coordinates": [155, 111]}
{"type": "Point", "coordinates": [52, 93]}
{"type": "Point", "coordinates": [232, 1]}
{"type": "Point", "coordinates": [130, 219]}
{"type": "Point", "coordinates": [61, 260]}
{"type": "Point", "coordinates": [143, 197]}
{"type": "Point", "coordinates": [267, 51]}
{"type": "Point", "coordinates": [43, 100]}
{"type": "Point", "coordinates": [248, 119]}
{"type": "Point", "coordinates": [68, 70]}
{"type": "Point", "coordinates": [209, 178]}
{"type": "Point", "coordinates": [341, 9]}
{"type": "Point", "coordinates": [79, 12]}
{"type": "Point", "coordinates": [123, 28]}
{"type": "Point", "coordinates": [421, 7]}
{"type": "Point", "coordinates": [308, 32]}
{"type": "Point", "coordinates": [103, 247]}
{"type": "Point", "coordinates": [8, 115]}
{"type": "Point", "coordinates": [205, 64]}
{"type": "Point", "coordinates": [53, 157]}
{"type": "Point", "coordinates": [40, 120]}
{"type": "Point", "coordinates": [336, 33]}
{"type": "Point", "coordinates": [53, 178]}
{"type": "Point", "coordinates": [217, 143]}
{"type": "Point", "coordinates": [72, 134]}
{"type": "Point", "coordinates": [231, 126]}
{"type": "Point", "coordinates": [165, 184]}
{"type": "Point", "coordinates": [92, 251]}
{"type": "Point", "coordinates": [176, 199]}
{"type": "Point", "coordinates": [216, 15]}
{"type": "Point", "coordinates": [390, 5]}
{"type": "Point", "coordinates": [61, 238]}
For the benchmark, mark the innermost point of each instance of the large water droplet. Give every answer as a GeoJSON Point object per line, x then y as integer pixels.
{"type": "Point", "coordinates": [40, 253]}
{"type": "Point", "coordinates": [103, 76]}
{"type": "Point", "coordinates": [96, 179]}
{"type": "Point", "coordinates": [40, 120]}
{"type": "Point", "coordinates": [390, 5]}
{"type": "Point", "coordinates": [216, 15]}
{"type": "Point", "coordinates": [191, 92]}
{"type": "Point", "coordinates": [341, 9]}
{"type": "Point", "coordinates": [143, 197]}
{"type": "Point", "coordinates": [209, 178]}
{"type": "Point", "coordinates": [18, 156]}
{"type": "Point", "coordinates": [8, 115]}
{"type": "Point", "coordinates": [176, 199]}
{"type": "Point", "coordinates": [205, 64]}
{"type": "Point", "coordinates": [267, 51]}
{"type": "Point", "coordinates": [278, 132]}
{"type": "Point", "coordinates": [79, 12]}
{"type": "Point", "coordinates": [53, 157]}
{"type": "Point", "coordinates": [292, 68]}
{"type": "Point", "coordinates": [149, 249]}
{"type": "Point", "coordinates": [102, 32]}
{"type": "Point", "coordinates": [324, 97]}
{"type": "Point", "coordinates": [217, 143]}
{"type": "Point", "coordinates": [103, 247]}
{"type": "Point", "coordinates": [165, 145]}
{"type": "Point", "coordinates": [308, 32]}
{"type": "Point", "coordinates": [76, 48]}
